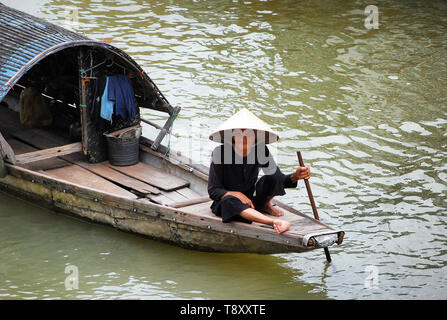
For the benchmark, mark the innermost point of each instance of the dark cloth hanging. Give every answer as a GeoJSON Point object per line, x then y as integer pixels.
{"type": "Point", "coordinates": [231, 172]}
{"type": "Point", "coordinates": [121, 91]}
{"type": "Point", "coordinates": [98, 91]}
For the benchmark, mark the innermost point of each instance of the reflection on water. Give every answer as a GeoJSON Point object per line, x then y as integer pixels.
{"type": "Point", "coordinates": [366, 107]}
{"type": "Point", "coordinates": [39, 245]}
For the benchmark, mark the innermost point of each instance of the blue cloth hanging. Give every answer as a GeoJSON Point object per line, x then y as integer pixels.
{"type": "Point", "coordinates": [120, 90]}
{"type": "Point", "coordinates": [106, 103]}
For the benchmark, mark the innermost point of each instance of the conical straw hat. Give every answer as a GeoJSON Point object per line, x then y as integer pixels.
{"type": "Point", "coordinates": [244, 119]}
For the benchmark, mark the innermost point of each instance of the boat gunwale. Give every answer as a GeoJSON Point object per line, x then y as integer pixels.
{"type": "Point", "coordinates": [176, 215]}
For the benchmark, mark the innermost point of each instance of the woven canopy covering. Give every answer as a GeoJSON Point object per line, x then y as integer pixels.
{"type": "Point", "coordinates": [25, 41]}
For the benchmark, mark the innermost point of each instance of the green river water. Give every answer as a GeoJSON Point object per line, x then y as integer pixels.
{"type": "Point", "coordinates": [366, 106]}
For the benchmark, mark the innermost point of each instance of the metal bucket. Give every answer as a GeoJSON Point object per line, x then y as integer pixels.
{"type": "Point", "coordinates": [124, 150]}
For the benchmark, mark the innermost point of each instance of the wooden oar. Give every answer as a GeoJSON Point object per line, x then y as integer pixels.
{"type": "Point", "coordinates": [312, 202]}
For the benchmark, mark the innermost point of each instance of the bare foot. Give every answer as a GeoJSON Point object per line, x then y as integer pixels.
{"type": "Point", "coordinates": [272, 210]}
{"type": "Point", "coordinates": [281, 225]}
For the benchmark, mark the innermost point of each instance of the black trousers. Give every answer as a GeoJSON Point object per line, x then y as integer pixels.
{"type": "Point", "coordinates": [230, 207]}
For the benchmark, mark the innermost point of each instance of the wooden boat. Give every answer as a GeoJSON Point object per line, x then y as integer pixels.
{"type": "Point", "coordinates": [163, 196]}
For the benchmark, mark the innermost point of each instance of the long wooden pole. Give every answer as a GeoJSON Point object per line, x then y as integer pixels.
{"type": "Point", "coordinates": [312, 203]}
{"type": "Point", "coordinates": [83, 105]}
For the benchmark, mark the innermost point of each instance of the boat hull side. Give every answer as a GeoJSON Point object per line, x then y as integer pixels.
{"type": "Point", "coordinates": [152, 221]}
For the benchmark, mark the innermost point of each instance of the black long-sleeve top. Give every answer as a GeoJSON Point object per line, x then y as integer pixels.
{"type": "Point", "coordinates": [232, 172]}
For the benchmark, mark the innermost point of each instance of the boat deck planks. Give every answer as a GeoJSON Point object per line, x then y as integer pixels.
{"type": "Point", "coordinates": [81, 176]}
{"type": "Point", "coordinates": [152, 176]}
{"type": "Point", "coordinates": [103, 169]}
{"type": "Point", "coordinates": [51, 153]}
{"type": "Point", "coordinates": [168, 198]}
{"type": "Point", "coordinates": [86, 180]}
{"type": "Point", "coordinates": [200, 209]}
{"type": "Point", "coordinates": [21, 148]}
{"type": "Point", "coordinates": [37, 137]}
{"type": "Point", "coordinates": [188, 193]}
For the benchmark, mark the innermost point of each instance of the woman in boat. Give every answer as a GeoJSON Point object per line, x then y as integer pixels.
{"type": "Point", "coordinates": [233, 182]}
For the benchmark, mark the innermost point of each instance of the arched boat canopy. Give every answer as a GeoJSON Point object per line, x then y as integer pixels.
{"type": "Point", "coordinates": [26, 40]}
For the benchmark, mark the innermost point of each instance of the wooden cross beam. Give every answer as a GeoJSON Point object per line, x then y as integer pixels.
{"type": "Point", "coordinates": [165, 129]}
